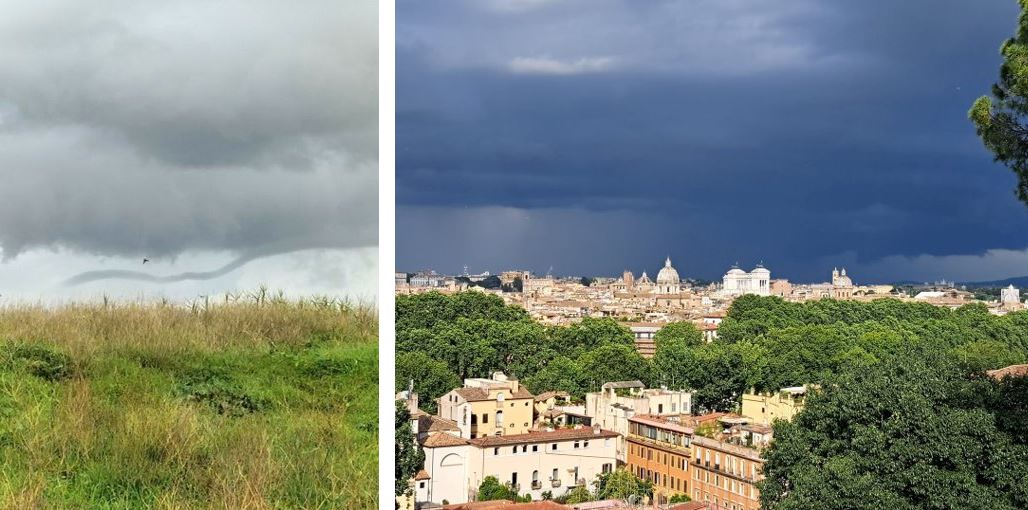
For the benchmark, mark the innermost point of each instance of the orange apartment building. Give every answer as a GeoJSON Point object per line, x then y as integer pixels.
{"type": "Point", "coordinates": [667, 453]}
{"type": "Point", "coordinates": [658, 450]}
{"type": "Point", "coordinates": [724, 475]}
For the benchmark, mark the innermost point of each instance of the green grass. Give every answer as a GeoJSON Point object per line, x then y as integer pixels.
{"type": "Point", "coordinates": [263, 403]}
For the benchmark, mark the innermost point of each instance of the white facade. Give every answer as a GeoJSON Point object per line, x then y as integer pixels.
{"type": "Point", "coordinates": [448, 475]}
{"type": "Point", "coordinates": [611, 411]}
{"type": "Point", "coordinates": [1010, 295]}
{"type": "Point", "coordinates": [737, 282]}
{"type": "Point", "coordinates": [555, 461]}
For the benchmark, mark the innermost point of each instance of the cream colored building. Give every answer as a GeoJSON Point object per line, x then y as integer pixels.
{"type": "Point", "coordinates": [842, 285]}
{"type": "Point", "coordinates": [737, 282]}
{"type": "Point", "coordinates": [1010, 295]}
{"type": "Point", "coordinates": [489, 407]}
{"type": "Point", "coordinates": [618, 401]}
{"type": "Point", "coordinates": [668, 281]}
{"type": "Point", "coordinates": [763, 408]}
{"type": "Point", "coordinates": [539, 461]}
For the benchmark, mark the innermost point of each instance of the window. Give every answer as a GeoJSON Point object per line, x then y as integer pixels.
{"type": "Point", "coordinates": [554, 476]}
{"type": "Point", "coordinates": [421, 485]}
{"type": "Point", "coordinates": [514, 450]}
{"type": "Point", "coordinates": [535, 448]}
{"type": "Point", "coordinates": [660, 408]}
{"type": "Point", "coordinates": [485, 418]}
{"type": "Point", "coordinates": [576, 444]}
{"type": "Point", "coordinates": [524, 448]}
{"type": "Point", "coordinates": [672, 407]}
{"type": "Point", "coordinates": [496, 451]}
{"type": "Point", "coordinates": [585, 444]}
{"type": "Point", "coordinates": [553, 447]}
{"type": "Point", "coordinates": [535, 476]}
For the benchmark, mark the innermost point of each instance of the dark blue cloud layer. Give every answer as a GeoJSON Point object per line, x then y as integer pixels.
{"type": "Point", "coordinates": [790, 135]}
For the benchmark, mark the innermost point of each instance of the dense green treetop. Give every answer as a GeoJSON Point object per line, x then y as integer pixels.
{"type": "Point", "coordinates": [764, 343]}
{"type": "Point", "coordinates": [911, 432]}
{"type": "Point", "coordinates": [623, 485]}
{"type": "Point", "coordinates": [1000, 120]}
{"type": "Point", "coordinates": [684, 332]}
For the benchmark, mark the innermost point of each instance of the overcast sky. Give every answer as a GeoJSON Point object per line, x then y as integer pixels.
{"type": "Point", "coordinates": [599, 135]}
{"type": "Point", "coordinates": [232, 143]}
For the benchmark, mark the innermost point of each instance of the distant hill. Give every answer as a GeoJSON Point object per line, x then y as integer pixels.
{"type": "Point", "coordinates": [1017, 281]}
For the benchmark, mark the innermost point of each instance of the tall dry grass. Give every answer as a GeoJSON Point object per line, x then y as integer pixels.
{"type": "Point", "coordinates": [132, 421]}
{"type": "Point", "coordinates": [239, 320]}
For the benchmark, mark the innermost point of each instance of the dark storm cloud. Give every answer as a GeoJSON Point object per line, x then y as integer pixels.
{"type": "Point", "coordinates": [158, 128]}
{"type": "Point", "coordinates": [794, 132]}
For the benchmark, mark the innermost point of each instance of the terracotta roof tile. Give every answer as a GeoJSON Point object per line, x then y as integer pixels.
{"type": "Point", "coordinates": [442, 439]}
{"type": "Point", "coordinates": [507, 505]}
{"type": "Point", "coordinates": [541, 436]}
{"type": "Point", "coordinates": [429, 423]}
{"type": "Point", "coordinates": [478, 394]}
{"type": "Point", "coordinates": [692, 505]}
{"type": "Point", "coordinates": [546, 395]}
{"type": "Point", "coordinates": [1011, 371]}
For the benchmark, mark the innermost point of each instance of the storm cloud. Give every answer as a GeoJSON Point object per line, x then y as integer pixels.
{"type": "Point", "coordinates": [159, 129]}
{"type": "Point", "coordinates": [600, 135]}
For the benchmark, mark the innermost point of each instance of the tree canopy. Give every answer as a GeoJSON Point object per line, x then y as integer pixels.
{"type": "Point", "coordinates": [913, 431]}
{"type": "Point", "coordinates": [408, 453]}
{"type": "Point", "coordinates": [1000, 119]}
{"type": "Point", "coordinates": [764, 343]}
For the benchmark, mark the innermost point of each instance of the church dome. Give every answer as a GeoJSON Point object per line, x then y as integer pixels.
{"type": "Point", "coordinates": [760, 269]}
{"type": "Point", "coordinates": [736, 270]}
{"type": "Point", "coordinates": [667, 275]}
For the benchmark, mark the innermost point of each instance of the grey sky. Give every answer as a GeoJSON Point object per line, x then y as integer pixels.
{"type": "Point", "coordinates": [189, 132]}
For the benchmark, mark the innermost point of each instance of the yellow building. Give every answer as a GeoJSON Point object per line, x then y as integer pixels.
{"type": "Point", "coordinates": [498, 406]}
{"type": "Point", "coordinates": [763, 408]}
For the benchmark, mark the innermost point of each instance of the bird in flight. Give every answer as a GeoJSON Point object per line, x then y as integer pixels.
{"type": "Point", "coordinates": [145, 260]}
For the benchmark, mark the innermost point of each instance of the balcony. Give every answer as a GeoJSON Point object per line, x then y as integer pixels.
{"type": "Point", "coordinates": [580, 482]}
{"type": "Point", "coordinates": [537, 484]}
{"type": "Point", "coordinates": [554, 482]}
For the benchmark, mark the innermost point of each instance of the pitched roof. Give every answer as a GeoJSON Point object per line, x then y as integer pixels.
{"type": "Point", "coordinates": [542, 436]}
{"type": "Point", "coordinates": [1011, 371]}
{"type": "Point", "coordinates": [430, 423]}
{"type": "Point", "coordinates": [422, 475]}
{"type": "Point", "coordinates": [623, 384]}
{"type": "Point", "coordinates": [479, 394]}
{"type": "Point", "coordinates": [503, 504]}
{"type": "Point", "coordinates": [692, 505]}
{"type": "Point", "coordinates": [546, 395]}
{"type": "Point", "coordinates": [442, 439]}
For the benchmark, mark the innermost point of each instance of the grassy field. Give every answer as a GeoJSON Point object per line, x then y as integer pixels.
{"type": "Point", "coordinates": [249, 403]}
